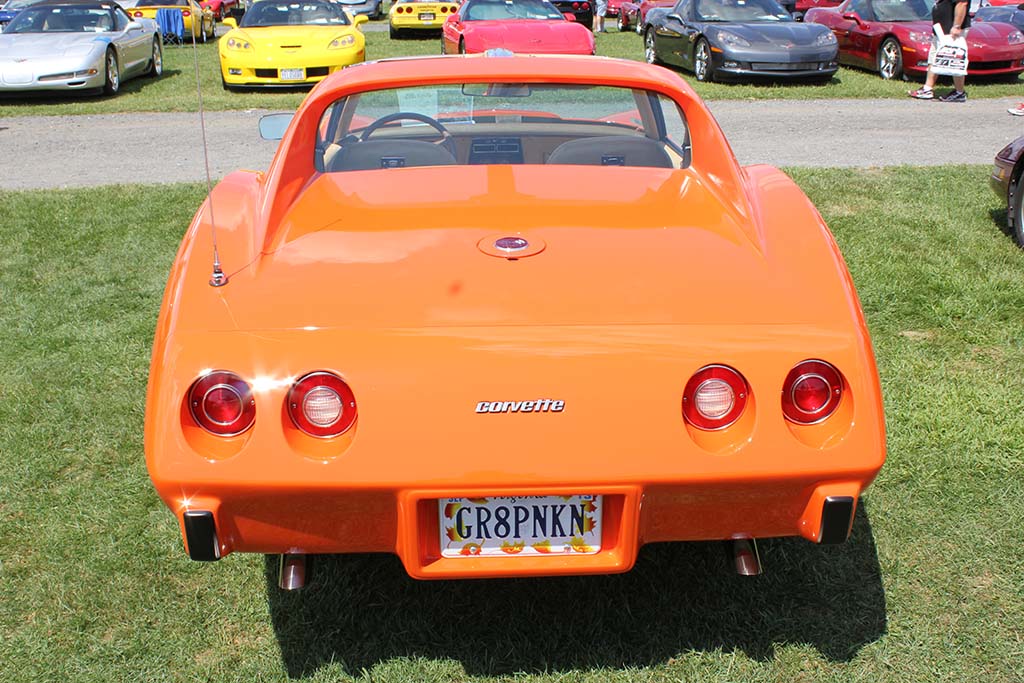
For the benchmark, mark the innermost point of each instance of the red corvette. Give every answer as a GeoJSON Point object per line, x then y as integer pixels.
{"type": "Point", "coordinates": [220, 8]}
{"type": "Point", "coordinates": [892, 37]}
{"type": "Point", "coordinates": [634, 14]}
{"type": "Point", "coordinates": [522, 26]}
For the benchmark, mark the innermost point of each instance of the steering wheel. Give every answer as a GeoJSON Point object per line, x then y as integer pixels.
{"type": "Point", "coordinates": [445, 141]}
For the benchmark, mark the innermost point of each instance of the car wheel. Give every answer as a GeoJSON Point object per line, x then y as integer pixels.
{"type": "Point", "coordinates": [890, 59]}
{"type": "Point", "coordinates": [113, 81]}
{"type": "Point", "coordinates": [444, 48]}
{"type": "Point", "coordinates": [702, 68]}
{"type": "Point", "coordinates": [156, 60]}
{"type": "Point", "coordinates": [393, 32]}
{"type": "Point", "coordinates": [1015, 209]}
{"type": "Point", "coordinates": [620, 23]}
{"type": "Point", "coordinates": [462, 46]}
{"type": "Point", "coordinates": [650, 53]}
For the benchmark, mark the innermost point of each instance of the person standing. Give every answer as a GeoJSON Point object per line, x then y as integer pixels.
{"type": "Point", "coordinates": [600, 9]}
{"type": "Point", "coordinates": [953, 17]}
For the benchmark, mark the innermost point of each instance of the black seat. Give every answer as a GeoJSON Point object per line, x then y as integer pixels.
{"type": "Point", "coordinates": [371, 154]}
{"type": "Point", "coordinates": [612, 150]}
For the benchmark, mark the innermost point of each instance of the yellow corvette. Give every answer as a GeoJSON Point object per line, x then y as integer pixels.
{"type": "Point", "coordinates": [282, 43]}
{"type": "Point", "coordinates": [419, 15]}
{"type": "Point", "coordinates": [199, 21]}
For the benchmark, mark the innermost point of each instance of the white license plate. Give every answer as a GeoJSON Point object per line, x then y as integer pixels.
{"type": "Point", "coordinates": [516, 526]}
{"type": "Point", "coordinates": [292, 74]}
{"type": "Point", "coordinates": [426, 16]}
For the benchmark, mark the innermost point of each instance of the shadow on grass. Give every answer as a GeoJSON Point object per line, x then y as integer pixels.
{"type": "Point", "coordinates": [360, 610]}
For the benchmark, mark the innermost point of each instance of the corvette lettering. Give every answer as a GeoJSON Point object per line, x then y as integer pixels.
{"type": "Point", "coordinates": [541, 405]}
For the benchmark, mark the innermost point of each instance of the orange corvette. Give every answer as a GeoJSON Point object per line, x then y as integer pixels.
{"type": "Point", "coordinates": [508, 316]}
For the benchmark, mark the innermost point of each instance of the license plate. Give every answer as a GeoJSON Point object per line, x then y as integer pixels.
{"type": "Point", "coordinates": [517, 526]}
{"type": "Point", "coordinates": [292, 75]}
{"type": "Point", "coordinates": [426, 16]}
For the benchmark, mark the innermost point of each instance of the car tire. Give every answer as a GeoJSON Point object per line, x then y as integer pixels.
{"type": "Point", "coordinates": [1015, 209]}
{"type": "Point", "coordinates": [620, 22]}
{"type": "Point", "coordinates": [112, 81]}
{"type": "Point", "coordinates": [156, 59]}
{"type": "Point", "coordinates": [462, 46]}
{"type": "Point", "coordinates": [650, 43]}
{"type": "Point", "coordinates": [889, 59]}
{"type": "Point", "coordinates": [444, 49]}
{"type": "Point", "coordinates": [703, 70]}
{"type": "Point", "coordinates": [392, 32]}
{"type": "Point", "coordinates": [639, 28]}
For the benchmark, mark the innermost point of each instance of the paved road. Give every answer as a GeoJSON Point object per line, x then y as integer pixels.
{"type": "Point", "coordinates": [76, 151]}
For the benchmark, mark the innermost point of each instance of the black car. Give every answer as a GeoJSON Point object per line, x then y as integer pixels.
{"type": "Point", "coordinates": [1008, 182]}
{"type": "Point", "coordinates": [1008, 14]}
{"type": "Point", "coordinates": [732, 39]}
{"type": "Point", "coordinates": [583, 10]}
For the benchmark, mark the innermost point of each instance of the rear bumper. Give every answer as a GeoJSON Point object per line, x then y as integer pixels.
{"type": "Point", "coordinates": [413, 21]}
{"type": "Point", "coordinates": [405, 522]}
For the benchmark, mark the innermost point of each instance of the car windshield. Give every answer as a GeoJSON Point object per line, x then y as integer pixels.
{"type": "Point", "coordinates": [502, 123]}
{"type": "Point", "coordinates": [50, 19]}
{"type": "Point", "coordinates": [487, 10]}
{"type": "Point", "coordinates": [740, 10]}
{"type": "Point", "coordinates": [283, 13]}
{"type": "Point", "coordinates": [902, 10]}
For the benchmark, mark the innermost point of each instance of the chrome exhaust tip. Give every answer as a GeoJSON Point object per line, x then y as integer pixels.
{"type": "Point", "coordinates": [745, 557]}
{"type": "Point", "coordinates": [292, 572]}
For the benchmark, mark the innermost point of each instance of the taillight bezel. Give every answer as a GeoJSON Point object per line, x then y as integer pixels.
{"type": "Point", "coordinates": [201, 389]}
{"type": "Point", "coordinates": [804, 370]}
{"type": "Point", "coordinates": [736, 382]}
{"type": "Point", "coordinates": [307, 383]}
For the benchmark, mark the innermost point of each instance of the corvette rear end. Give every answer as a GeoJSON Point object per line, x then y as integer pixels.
{"type": "Point", "coordinates": [469, 356]}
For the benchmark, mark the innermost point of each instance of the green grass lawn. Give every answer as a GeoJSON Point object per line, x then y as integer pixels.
{"type": "Point", "coordinates": [95, 585]}
{"type": "Point", "coordinates": [176, 90]}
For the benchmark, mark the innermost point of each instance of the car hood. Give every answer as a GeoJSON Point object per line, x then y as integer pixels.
{"type": "Point", "coordinates": [48, 45]}
{"type": "Point", "coordinates": [527, 35]}
{"type": "Point", "coordinates": [982, 34]}
{"type": "Point", "coordinates": [291, 37]}
{"type": "Point", "coordinates": [775, 34]}
{"type": "Point", "coordinates": [412, 248]}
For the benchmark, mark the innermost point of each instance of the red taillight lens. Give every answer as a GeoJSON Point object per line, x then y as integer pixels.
{"type": "Point", "coordinates": [714, 397]}
{"type": "Point", "coordinates": [221, 403]}
{"type": "Point", "coordinates": [321, 404]}
{"type": "Point", "coordinates": [186, 13]}
{"type": "Point", "coordinates": [138, 14]}
{"type": "Point", "coordinates": [811, 392]}
{"type": "Point", "coordinates": [575, 5]}
{"type": "Point", "coordinates": [586, 5]}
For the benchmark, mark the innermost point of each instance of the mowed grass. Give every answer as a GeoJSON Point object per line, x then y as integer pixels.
{"type": "Point", "coordinates": [176, 89]}
{"type": "Point", "coordinates": [95, 585]}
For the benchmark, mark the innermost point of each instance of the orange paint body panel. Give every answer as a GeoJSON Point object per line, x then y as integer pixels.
{"type": "Point", "coordinates": [635, 279]}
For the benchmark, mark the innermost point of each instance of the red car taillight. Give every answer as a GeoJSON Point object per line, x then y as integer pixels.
{"type": "Point", "coordinates": [186, 13]}
{"type": "Point", "coordinates": [322, 405]}
{"type": "Point", "coordinates": [586, 5]}
{"type": "Point", "coordinates": [221, 402]}
{"type": "Point", "coordinates": [137, 14]}
{"type": "Point", "coordinates": [811, 392]}
{"type": "Point", "coordinates": [714, 397]}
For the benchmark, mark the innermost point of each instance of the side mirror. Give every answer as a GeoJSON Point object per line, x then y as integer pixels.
{"type": "Point", "coordinates": [360, 19]}
{"type": "Point", "coordinates": [229, 22]}
{"type": "Point", "coordinates": [452, 19]}
{"type": "Point", "coordinates": [569, 16]}
{"type": "Point", "coordinates": [852, 16]}
{"type": "Point", "coordinates": [675, 17]}
{"type": "Point", "coordinates": [134, 26]}
{"type": "Point", "coordinates": [273, 126]}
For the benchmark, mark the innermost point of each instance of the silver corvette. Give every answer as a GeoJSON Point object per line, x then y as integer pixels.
{"type": "Point", "coordinates": [90, 45]}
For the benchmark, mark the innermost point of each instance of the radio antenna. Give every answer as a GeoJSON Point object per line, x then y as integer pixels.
{"type": "Point", "coordinates": [217, 277]}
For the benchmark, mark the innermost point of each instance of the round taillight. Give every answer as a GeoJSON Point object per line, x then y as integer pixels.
{"type": "Point", "coordinates": [444, 10]}
{"type": "Point", "coordinates": [322, 405]}
{"type": "Point", "coordinates": [714, 397]}
{"type": "Point", "coordinates": [811, 392]}
{"type": "Point", "coordinates": [221, 402]}
{"type": "Point", "coordinates": [138, 14]}
{"type": "Point", "coordinates": [575, 5]}
{"type": "Point", "coordinates": [586, 5]}
{"type": "Point", "coordinates": [186, 13]}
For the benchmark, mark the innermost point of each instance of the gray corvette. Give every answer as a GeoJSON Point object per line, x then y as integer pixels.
{"type": "Point", "coordinates": [733, 39]}
{"type": "Point", "coordinates": [66, 45]}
